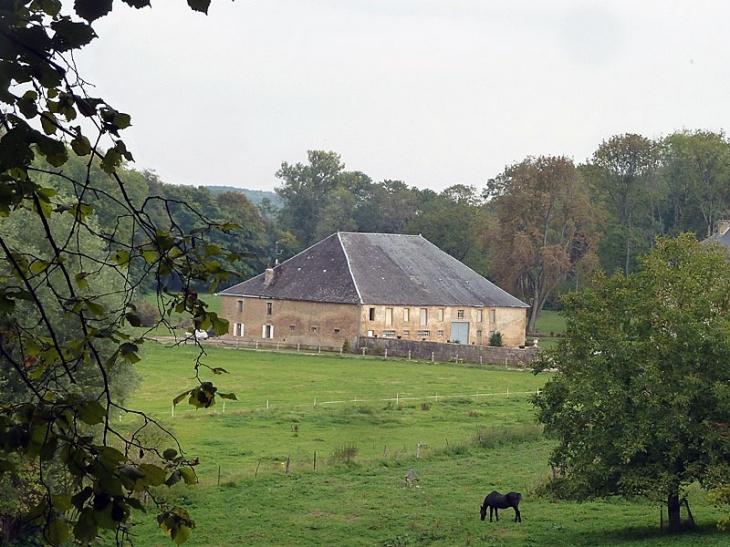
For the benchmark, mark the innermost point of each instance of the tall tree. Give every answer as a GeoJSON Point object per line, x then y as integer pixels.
{"type": "Point", "coordinates": [545, 229]}
{"type": "Point", "coordinates": [622, 175]}
{"type": "Point", "coordinates": [387, 207]}
{"type": "Point", "coordinates": [696, 166]}
{"type": "Point", "coordinates": [62, 323]}
{"type": "Point", "coordinates": [304, 191]}
{"type": "Point", "coordinates": [448, 221]}
{"type": "Point", "coordinates": [640, 401]}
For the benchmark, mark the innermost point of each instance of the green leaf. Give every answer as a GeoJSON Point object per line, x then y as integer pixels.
{"type": "Point", "coordinates": [49, 123]}
{"type": "Point", "coordinates": [91, 10]}
{"type": "Point", "coordinates": [91, 412]}
{"type": "Point", "coordinates": [170, 453]}
{"type": "Point", "coordinates": [27, 104]}
{"type": "Point", "coordinates": [174, 478]}
{"type": "Point", "coordinates": [188, 475]}
{"type": "Point", "coordinates": [132, 473]}
{"type": "Point", "coordinates": [128, 351]}
{"type": "Point", "coordinates": [122, 258]}
{"type": "Point", "coordinates": [219, 370]}
{"type": "Point", "coordinates": [81, 145]}
{"type": "Point", "coordinates": [220, 325]}
{"type": "Point", "coordinates": [199, 5]}
{"type": "Point", "coordinates": [95, 309]}
{"type": "Point", "coordinates": [153, 474]}
{"type": "Point", "coordinates": [133, 319]}
{"type": "Point", "coordinates": [38, 266]}
{"type": "Point", "coordinates": [180, 397]}
{"type": "Point", "coordinates": [136, 504]}
{"type": "Point", "coordinates": [86, 529]}
{"type": "Point", "coordinates": [58, 531]}
{"type": "Point", "coordinates": [54, 151]}
{"type": "Point", "coordinates": [81, 280]}
{"type": "Point", "coordinates": [87, 106]}
{"type": "Point", "coordinates": [228, 396]}
{"type": "Point", "coordinates": [71, 34]}
{"type": "Point", "coordinates": [61, 502]}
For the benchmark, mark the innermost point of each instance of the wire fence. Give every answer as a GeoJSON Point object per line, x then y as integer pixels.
{"type": "Point", "coordinates": [398, 399]}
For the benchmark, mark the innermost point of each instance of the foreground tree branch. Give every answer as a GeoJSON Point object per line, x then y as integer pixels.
{"type": "Point", "coordinates": [68, 328]}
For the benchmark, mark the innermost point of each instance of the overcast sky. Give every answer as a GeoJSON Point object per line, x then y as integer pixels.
{"type": "Point", "coordinates": [433, 93]}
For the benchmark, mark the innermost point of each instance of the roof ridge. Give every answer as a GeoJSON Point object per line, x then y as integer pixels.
{"type": "Point", "coordinates": [349, 267]}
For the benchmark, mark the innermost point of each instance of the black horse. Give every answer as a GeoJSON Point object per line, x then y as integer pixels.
{"type": "Point", "coordinates": [496, 501]}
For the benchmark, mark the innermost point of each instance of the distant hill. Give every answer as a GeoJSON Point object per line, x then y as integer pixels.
{"type": "Point", "coordinates": [256, 196]}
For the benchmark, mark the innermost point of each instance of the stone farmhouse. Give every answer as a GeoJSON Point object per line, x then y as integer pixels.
{"type": "Point", "coordinates": [353, 285]}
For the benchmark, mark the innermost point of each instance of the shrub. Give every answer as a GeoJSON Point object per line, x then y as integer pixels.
{"type": "Point", "coordinates": [148, 314]}
{"type": "Point", "coordinates": [425, 406]}
{"type": "Point", "coordinates": [346, 347]}
{"type": "Point", "coordinates": [496, 339]}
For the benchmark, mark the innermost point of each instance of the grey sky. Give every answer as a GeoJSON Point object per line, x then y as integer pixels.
{"type": "Point", "coordinates": [433, 93]}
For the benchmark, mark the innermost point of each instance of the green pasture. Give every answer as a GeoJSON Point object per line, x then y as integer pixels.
{"type": "Point", "coordinates": [463, 430]}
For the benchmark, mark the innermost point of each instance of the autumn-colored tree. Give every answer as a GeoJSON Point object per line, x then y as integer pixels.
{"type": "Point", "coordinates": [544, 230]}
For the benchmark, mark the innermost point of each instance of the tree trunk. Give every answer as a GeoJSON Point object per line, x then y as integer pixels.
{"type": "Point", "coordinates": [673, 506]}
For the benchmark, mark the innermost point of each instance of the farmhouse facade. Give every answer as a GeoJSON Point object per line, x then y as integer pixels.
{"type": "Point", "coordinates": [352, 285]}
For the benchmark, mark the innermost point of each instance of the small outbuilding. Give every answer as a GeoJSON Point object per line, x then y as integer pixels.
{"type": "Point", "coordinates": [352, 285]}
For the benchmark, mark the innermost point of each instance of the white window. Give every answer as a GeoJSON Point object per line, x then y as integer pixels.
{"type": "Point", "coordinates": [440, 315]}
{"type": "Point", "coordinates": [480, 315]}
{"type": "Point", "coordinates": [269, 308]}
{"type": "Point", "coordinates": [423, 333]}
{"type": "Point", "coordinates": [388, 317]}
{"type": "Point", "coordinates": [240, 306]}
{"type": "Point", "coordinates": [479, 333]}
{"type": "Point", "coordinates": [238, 329]}
{"type": "Point", "coordinates": [267, 331]}
{"type": "Point", "coordinates": [460, 314]}
{"type": "Point", "coordinates": [424, 317]}
{"type": "Point", "coordinates": [371, 333]}
{"type": "Point", "coordinates": [406, 314]}
{"type": "Point", "coordinates": [406, 333]}
{"type": "Point", "coordinates": [389, 334]}
{"type": "Point", "coordinates": [493, 316]}
{"type": "Point", "coordinates": [440, 333]}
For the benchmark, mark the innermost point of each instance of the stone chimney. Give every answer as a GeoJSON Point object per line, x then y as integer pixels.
{"type": "Point", "coordinates": [722, 226]}
{"type": "Point", "coordinates": [268, 275]}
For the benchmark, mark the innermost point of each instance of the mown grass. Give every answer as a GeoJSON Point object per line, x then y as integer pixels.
{"type": "Point", "coordinates": [470, 444]}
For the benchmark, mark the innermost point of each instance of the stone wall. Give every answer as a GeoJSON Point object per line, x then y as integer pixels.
{"type": "Point", "coordinates": [513, 357]}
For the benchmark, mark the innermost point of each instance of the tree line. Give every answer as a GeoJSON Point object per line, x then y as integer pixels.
{"type": "Point", "coordinates": [539, 229]}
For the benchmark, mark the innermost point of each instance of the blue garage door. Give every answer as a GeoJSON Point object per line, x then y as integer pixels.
{"type": "Point", "coordinates": [460, 333]}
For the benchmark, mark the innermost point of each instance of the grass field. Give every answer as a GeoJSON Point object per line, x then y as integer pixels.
{"type": "Point", "coordinates": [464, 430]}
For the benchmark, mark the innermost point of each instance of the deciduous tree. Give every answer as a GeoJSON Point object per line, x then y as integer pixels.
{"type": "Point", "coordinates": [64, 328]}
{"type": "Point", "coordinates": [640, 400]}
{"type": "Point", "coordinates": [696, 168]}
{"type": "Point", "coordinates": [622, 175]}
{"type": "Point", "coordinates": [544, 232]}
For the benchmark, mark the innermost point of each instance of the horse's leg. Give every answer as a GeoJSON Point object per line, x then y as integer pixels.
{"type": "Point", "coordinates": [491, 510]}
{"type": "Point", "coordinates": [518, 517]}
{"type": "Point", "coordinates": [496, 513]}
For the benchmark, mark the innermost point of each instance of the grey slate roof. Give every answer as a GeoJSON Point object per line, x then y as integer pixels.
{"type": "Point", "coordinates": [384, 269]}
{"type": "Point", "coordinates": [723, 239]}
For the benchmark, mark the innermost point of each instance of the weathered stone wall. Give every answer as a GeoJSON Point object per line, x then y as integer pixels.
{"type": "Point", "coordinates": [514, 357]}
{"type": "Point", "coordinates": [292, 322]}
